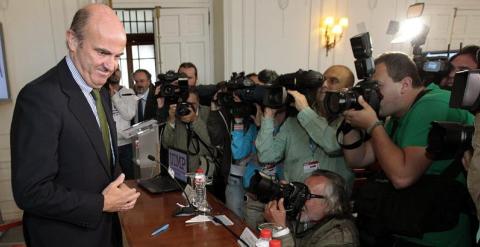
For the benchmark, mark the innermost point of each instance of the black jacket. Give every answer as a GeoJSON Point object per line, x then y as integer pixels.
{"type": "Point", "coordinates": [60, 166]}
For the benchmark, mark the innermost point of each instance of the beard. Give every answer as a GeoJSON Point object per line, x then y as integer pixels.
{"type": "Point", "coordinates": [141, 90]}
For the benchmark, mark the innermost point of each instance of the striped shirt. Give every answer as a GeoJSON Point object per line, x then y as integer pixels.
{"type": "Point", "coordinates": [86, 90]}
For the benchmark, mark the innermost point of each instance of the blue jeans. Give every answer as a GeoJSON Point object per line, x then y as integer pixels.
{"type": "Point", "coordinates": [234, 195]}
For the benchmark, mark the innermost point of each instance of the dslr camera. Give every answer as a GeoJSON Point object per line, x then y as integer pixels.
{"type": "Point", "coordinates": [276, 96]}
{"type": "Point", "coordinates": [338, 101]}
{"type": "Point", "coordinates": [174, 88]}
{"type": "Point", "coordinates": [267, 189]}
{"type": "Point", "coordinates": [449, 140]}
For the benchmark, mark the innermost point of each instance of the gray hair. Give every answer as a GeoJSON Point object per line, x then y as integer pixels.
{"type": "Point", "coordinates": [80, 20]}
{"type": "Point", "coordinates": [335, 192]}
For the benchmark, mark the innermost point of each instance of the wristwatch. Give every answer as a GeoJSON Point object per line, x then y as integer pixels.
{"type": "Point", "coordinates": [373, 126]}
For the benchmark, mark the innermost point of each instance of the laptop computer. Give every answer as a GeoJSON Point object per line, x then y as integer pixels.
{"type": "Point", "coordinates": [178, 162]}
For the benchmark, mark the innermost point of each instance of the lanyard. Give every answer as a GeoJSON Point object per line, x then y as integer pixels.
{"type": "Point", "coordinates": [312, 145]}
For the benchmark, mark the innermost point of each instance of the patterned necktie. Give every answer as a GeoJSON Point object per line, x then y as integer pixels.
{"type": "Point", "coordinates": [102, 118]}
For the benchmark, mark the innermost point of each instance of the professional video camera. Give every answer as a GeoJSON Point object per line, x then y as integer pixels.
{"type": "Point", "coordinates": [432, 66]}
{"type": "Point", "coordinates": [239, 84]}
{"type": "Point", "coordinates": [267, 189]}
{"type": "Point", "coordinates": [466, 90]}
{"type": "Point", "coordinates": [245, 89]}
{"type": "Point", "coordinates": [276, 86]}
{"type": "Point", "coordinates": [338, 101]}
{"type": "Point", "coordinates": [174, 88]}
{"type": "Point", "coordinates": [166, 82]}
{"type": "Point", "coordinates": [448, 140]}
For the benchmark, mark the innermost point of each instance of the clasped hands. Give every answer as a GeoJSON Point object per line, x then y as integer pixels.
{"type": "Point", "coordinates": [117, 196]}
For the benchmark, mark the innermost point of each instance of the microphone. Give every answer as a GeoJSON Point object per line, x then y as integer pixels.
{"type": "Point", "coordinates": [181, 211]}
{"type": "Point", "coordinates": [217, 220]}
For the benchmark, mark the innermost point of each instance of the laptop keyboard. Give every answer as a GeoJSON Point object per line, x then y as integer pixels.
{"type": "Point", "coordinates": [159, 184]}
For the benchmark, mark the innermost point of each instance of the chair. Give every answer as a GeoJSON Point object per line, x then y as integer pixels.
{"type": "Point", "coordinates": [11, 233]}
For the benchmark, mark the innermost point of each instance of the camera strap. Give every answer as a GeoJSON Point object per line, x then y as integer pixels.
{"type": "Point", "coordinates": [345, 128]}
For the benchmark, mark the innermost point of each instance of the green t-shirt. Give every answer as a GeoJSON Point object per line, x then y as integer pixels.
{"type": "Point", "coordinates": [412, 131]}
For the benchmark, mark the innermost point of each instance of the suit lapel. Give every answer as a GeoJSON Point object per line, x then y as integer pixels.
{"type": "Point", "coordinates": [80, 108]}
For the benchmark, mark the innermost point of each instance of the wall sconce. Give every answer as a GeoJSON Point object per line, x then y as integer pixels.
{"type": "Point", "coordinates": [333, 31]}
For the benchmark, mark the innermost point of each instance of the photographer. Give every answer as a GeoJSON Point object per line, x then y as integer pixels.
{"type": "Point", "coordinates": [466, 59]}
{"type": "Point", "coordinates": [188, 133]}
{"type": "Point", "coordinates": [472, 165]}
{"type": "Point", "coordinates": [124, 109]}
{"type": "Point", "coordinates": [306, 142]}
{"type": "Point", "coordinates": [221, 127]}
{"type": "Point", "coordinates": [399, 146]}
{"type": "Point", "coordinates": [325, 216]}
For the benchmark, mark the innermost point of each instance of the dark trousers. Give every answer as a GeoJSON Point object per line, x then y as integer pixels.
{"type": "Point", "coordinates": [125, 157]}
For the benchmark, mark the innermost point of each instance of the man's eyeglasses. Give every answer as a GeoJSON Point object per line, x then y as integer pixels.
{"type": "Point", "coordinates": [311, 196]}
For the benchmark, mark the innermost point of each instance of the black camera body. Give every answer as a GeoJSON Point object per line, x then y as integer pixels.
{"type": "Point", "coordinates": [432, 66]}
{"type": "Point", "coordinates": [448, 140]}
{"type": "Point", "coordinates": [238, 84]}
{"type": "Point", "coordinates": [336, 102]}
{"type": "Point", "coordinates": [267, 189]}
{"type": "Point", "coordinates": [174, 88]}
{"type": "Point", "coordinates": [166, 82]}
{"type": "Point", "coordinates": [276, 94]}
{"type": "Point", "coordinates": [241, 86]}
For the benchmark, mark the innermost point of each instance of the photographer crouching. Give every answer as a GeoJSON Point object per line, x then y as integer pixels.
{"type": "Point", "coordinates": [324, 219]}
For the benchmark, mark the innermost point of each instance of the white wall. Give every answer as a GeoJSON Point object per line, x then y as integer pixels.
{"type": "Point", "coordinates": [258, 34]}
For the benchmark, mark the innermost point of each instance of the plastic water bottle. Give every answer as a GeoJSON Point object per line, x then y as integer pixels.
{"type": "Point", "coordinates": [275, 243]}
{"type": "Point", "coordinates": [264, 239]}
{"type": "Point", "coordinates": [200, 191]}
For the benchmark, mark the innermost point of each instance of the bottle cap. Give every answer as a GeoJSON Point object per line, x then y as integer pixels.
{"type": "Point", "coordinates": [275, 243]}
{"type": "Point", "coordinates": [265, 233]}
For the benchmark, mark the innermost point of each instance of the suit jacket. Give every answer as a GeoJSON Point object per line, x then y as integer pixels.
{"type": "Point", "coordinates": [151, 104]}
{"type": "Point", "coordinates": [59, 164]}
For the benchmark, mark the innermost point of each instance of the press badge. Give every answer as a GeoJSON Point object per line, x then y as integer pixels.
{"type": "Point", "coordinates": [310, 166]}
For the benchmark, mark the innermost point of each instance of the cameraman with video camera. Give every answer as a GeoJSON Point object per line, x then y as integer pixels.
{"type": "Point", "coordinates": [324, 219]}
{"type": "Point", "coordinates": [398, 147]}
{"type": "Point", "coordinates": [307, 141]}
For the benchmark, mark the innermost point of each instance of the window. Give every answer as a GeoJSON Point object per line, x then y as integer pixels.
{"type": "Point", "coordinates": [140, 49]}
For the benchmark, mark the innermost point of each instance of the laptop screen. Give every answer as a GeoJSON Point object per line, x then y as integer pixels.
{"type": "Point", "coordinates": [178, 161]}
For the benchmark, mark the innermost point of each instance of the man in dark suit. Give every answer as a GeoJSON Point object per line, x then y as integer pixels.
{"type": "Point", "coordinates": [145, 90]}
{"type": "Point", "coordinates": [63, 142]}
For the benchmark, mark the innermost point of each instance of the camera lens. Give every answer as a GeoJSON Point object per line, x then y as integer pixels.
{"type": "Point", "coordinates": [183, 109]}
{"type": "Point", "coordinates": [225, 99]}
{"type": "Point", "coordinates": [168, 90]}
{"type": "Point", "coordinates": [332, 102]}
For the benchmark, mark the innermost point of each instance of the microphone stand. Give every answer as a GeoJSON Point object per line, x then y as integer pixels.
{"type": "Point", "coordinates": [181, 211]}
